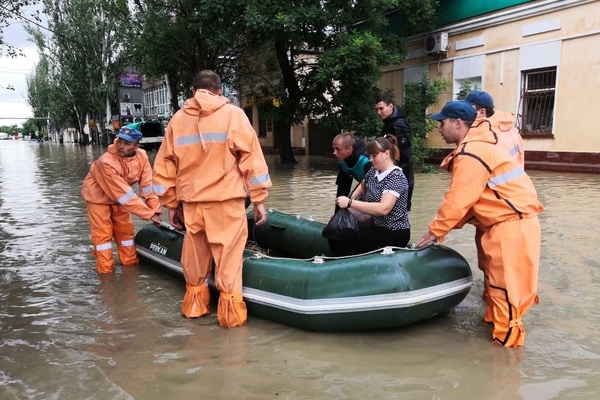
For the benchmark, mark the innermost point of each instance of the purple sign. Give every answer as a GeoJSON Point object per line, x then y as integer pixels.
{"type": "Point", "coordinates": [130, 79]}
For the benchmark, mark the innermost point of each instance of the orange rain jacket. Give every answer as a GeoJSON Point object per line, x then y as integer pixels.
{"type": "Point", "coordinates": [110, 178]}
{"type": "Point", "coordinates": [487, 185]}
{"type": "Point", "coordinates": [230, 159]}
{"type": "Point", "coordinates": [210, 160]}
{"type": "Point", "coordinates": [493, 188]}
{"type": "Point", "coordinates": [509, 137]}
{"type": "Point", "coordinates": [110, 201]}
{"type": "Point", "coordinates": [511, 140]}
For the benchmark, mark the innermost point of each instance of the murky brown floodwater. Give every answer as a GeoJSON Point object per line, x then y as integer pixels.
{"type": "Point", "coordinates": [67, 333]}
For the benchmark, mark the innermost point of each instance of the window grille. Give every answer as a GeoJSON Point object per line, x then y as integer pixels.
{"type": "Point", "coordinates": [537, 95]}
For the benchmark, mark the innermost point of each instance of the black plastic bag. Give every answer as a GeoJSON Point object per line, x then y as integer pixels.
{"type": "Point", "coordinates": [342, 226]}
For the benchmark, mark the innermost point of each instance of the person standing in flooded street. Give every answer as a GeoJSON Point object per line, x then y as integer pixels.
{"type": "Point", "coordinates": [489, 185]}
{"type": "Point", "coordinates": [110, 200]}
{"type": "Point", "coordinates": [208, 163]}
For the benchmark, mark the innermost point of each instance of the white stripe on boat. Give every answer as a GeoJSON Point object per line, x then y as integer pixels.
{"type": "Point", "coordinates": [338, 304]}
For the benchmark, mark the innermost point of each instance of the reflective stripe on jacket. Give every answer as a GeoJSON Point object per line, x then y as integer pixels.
{"type": "Point", "coordinates": [509, 137]}
{"type": "Point", "coordinates": [487, 184]}
{"type": "Point", "coordinates": [111, 176]}
{"type": "Point", "coordinates": [210, 153]}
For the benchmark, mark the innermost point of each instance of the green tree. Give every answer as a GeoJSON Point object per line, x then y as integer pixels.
{"type": "Point", "coordinates": [293, 30]}
{"type": "Point", "coordinates": [345, 81]}
{"type": "Point", "coordinates": [419, 96]}
{"type": "Point", "coordinates": [30, 127]}
{"type": "Point", "coordinates": [466, 87]}
{"type": "Point", "coordinates": [10, 129]}
{"type": "Point", "coordinates": [11, 11]}
{"type": "Point", "coordinates": [47, 96]}
{"type": "Point", "coordinates": [38, 91]}
{"type": "Point", "coordinates": [81, 61]}
{"type": "Point", "coordinates": [175, 39]}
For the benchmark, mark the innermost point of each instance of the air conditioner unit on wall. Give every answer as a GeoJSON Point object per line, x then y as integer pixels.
{"type": "Point", "coordinates": [436, 43]}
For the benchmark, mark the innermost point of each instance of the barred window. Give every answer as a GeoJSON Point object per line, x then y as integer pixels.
{"type": "Point", "coordinates": [537, 96]}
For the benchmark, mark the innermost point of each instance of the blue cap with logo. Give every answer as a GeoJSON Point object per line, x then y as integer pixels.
{"type": "Point", "coordinates": [130, 134]}
{"type": "Point", "coordinates": [480, 98]}
{"type": "Point", "coordinates": [456, 109]}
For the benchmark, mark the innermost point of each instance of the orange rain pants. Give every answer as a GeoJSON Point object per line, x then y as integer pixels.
{"type": "Point", "coordinates": [108, 222]}
{"type": "Point", "coordinates": [512, 251]}
{"type": "Point", "coordinates": [215, 230]}
{"type": "Point", "coordinates": [482, 263]}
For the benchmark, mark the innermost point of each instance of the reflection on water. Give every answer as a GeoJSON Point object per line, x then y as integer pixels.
{"type": "Point", "coordinates": [67, 333]}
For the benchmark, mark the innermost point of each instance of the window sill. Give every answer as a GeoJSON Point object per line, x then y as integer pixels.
{"type": "Point", "coordinates": [537, 136]}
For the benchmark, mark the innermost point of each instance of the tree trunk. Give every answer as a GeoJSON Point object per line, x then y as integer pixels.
{"type": "Point", "coordinates": [284, 142]}
{"type": "Point", "coordinates": [172, 84]}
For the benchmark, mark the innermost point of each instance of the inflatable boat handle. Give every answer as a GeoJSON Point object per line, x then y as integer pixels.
{"type": "Point", "coordinates": [279, 226]}
{"type": "Point", "coordinates": [171, 228]}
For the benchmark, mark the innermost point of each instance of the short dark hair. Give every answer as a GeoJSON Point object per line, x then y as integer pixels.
{"type": "Point", "coordinates": [385, 97]}
{"type": "Point", "coordinates": [488, 111]}
{"type": "Point", "coordinates": [208, 80]}
{"type": "Point", "coordinates": [347, 139]}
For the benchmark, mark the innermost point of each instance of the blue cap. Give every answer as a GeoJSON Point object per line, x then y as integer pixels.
{"type": "Point", "coordinates": [480, 98]}
{"type": "Point", "coordinates": [456, 109]}
{"type": "Point", "coordinates": [129, 134]}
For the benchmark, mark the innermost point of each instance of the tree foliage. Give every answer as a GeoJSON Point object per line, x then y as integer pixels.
{"type": "Point", "coordinates": [11, 11]}
{"type": "Point", "coordinates": [344, 82]}
{"type": "Point", "coordinates": [321, 59]}
{"type": "Point", "coordinates": [466, 87]}
{"type": "Point", "coordinates": [179, 38]}
{"type": "Point", "coordinates": [76, 61]}
{"type": "Point", "coordinates": [419, 96]}
{"type": "Point", "coordinates": [351, 44]}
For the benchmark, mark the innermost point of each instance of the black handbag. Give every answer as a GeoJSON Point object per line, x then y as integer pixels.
{"type": "Point", "coordinates": [342, 226]}
{"type": "Point", "coordinates": [364, 220]}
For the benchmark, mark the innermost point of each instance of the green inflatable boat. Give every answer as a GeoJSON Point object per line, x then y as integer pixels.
{"type": "Point", "coordinates": [294, 279]}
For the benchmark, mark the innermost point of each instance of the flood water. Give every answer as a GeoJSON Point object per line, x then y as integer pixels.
{"type": "Point", "coordinates": [68, 333]}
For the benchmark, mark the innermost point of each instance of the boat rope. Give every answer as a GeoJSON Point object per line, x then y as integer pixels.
{"type": "Point", "coordinates": [320, 259]}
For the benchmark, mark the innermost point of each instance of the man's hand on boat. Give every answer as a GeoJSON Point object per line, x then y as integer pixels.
{"type": "Point", "coordinates": [157, 219]}
{"type": "Point", "coordinates": [427, 239]}
{"type": "Point", "coordinates": [176, 218]}
{"type": "Point", "coordinates": [260, 214]}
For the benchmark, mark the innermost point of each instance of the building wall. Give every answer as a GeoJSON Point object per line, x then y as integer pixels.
{"type": "Point", "coordinates": [496, 48]}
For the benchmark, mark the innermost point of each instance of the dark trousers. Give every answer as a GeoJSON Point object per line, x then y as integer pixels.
{"type": "Point", "coordinates": [370, 239]}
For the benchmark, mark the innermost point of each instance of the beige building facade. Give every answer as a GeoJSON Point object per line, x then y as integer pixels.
{"type": "Point", "coordinates": [539, 60]}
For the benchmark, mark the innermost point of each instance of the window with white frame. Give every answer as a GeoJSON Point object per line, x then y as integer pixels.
{"type": "Point", "coordinates": [538, 89]}
{"type": "Point", "coordinates": [462, 87]}
{"type": "Point", "coordinates": [148, 101]}
{"type": "Point", "coordinates": [538, 68]}
{"type": "Point", "coordinates": [467, 75]}
{"type": "Point", "coordinates": [157, 101]}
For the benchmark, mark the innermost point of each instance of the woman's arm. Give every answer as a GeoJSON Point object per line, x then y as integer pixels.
{"type": "Point", "coordinates": [381, 208]}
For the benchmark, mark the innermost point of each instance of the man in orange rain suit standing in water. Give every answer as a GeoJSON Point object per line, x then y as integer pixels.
{"type": "Point", "coordinates": [507, 137]}
{"type": "Point", "coordinates": [110, 200]}
{"type": "Point", "coordinates": [207, 164]}
{"type": "Point", "coordinates": [492, 187]}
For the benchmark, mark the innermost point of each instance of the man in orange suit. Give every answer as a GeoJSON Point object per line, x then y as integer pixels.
{"type": "Point", "coordinates": [491, 187]}
{"type": "Point", "coordinates": [110, 200]}
{"type": "Point", "coordinates": [208, 163]}
{"type": "Point", "coordinates": [508, 137]}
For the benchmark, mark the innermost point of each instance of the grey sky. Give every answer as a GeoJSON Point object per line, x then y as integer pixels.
{"type": "Point", "coordinates": [14, 72]}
